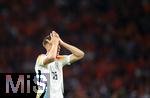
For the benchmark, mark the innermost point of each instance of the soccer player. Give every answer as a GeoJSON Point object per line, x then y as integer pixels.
{"type": "Point", "coordinates": [53, 63]}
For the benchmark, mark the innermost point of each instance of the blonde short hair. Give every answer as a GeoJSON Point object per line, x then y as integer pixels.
{"type": "Point", "coordinates": [46, 39]}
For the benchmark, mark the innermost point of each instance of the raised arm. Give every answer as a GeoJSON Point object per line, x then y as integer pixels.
{"type": "Point", "coordinates": [52, 52]}
{"type": "Point", "coordinates": [77, 54]}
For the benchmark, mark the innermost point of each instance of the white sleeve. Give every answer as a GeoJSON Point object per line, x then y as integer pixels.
{"type": "Point", "coordinates": [40, 60]}
{"type": "Point", "coordinates": [66, 60]}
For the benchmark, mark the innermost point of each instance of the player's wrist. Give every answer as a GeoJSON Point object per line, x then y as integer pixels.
{"type": "Point", "coordinates": [55, 42]}
{"type": "Point", "coordinates": [61, 42]}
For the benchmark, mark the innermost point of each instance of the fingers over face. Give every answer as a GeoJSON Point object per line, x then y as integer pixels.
{"type": "Point", "coordinates": [51, 35]}
{"type": "Point", "coordinates": [53, 32]}
{"type": "Point", "coordinates": [57, 34]}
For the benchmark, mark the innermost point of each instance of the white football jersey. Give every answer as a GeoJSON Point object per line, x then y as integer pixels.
{"type": "Point", "coordinates": [53, 73]}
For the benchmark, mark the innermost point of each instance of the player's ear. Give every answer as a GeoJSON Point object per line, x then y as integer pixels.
{"type": "Point", "coordinates": [59, 47]}
{"type": "Point", "coordinates": [44, 46]}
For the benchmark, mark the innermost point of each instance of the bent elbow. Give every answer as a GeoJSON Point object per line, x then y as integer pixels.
{"type": "Point", "coordinates": [82, 55]}
{"type": "Point", "coordinates": [52, 58]}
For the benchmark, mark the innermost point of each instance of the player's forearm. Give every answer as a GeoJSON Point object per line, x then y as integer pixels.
{"type": "Point", "coordinates": [74, 50]}
{"type": "Point", "coordinates": [51, 54]}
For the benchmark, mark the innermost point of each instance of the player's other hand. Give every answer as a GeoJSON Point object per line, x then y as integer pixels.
{"type": "Point", "coordinates": [54, 38]}
{"type": "Point", "coordinates": [60, 40]}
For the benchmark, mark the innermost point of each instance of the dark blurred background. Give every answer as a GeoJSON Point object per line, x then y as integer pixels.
{"type": "Point", "coordinates": [113, 33]}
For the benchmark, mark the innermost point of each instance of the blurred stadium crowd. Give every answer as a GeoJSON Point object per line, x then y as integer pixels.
{"type": "Point", "coordinates": [113, 33]}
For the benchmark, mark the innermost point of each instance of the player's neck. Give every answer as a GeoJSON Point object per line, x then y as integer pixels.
{"type": "Point", "coordinates": [56, 55]}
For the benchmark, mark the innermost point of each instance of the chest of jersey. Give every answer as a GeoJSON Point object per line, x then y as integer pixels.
{"type": "Point", "coordinates": [56, 75]}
